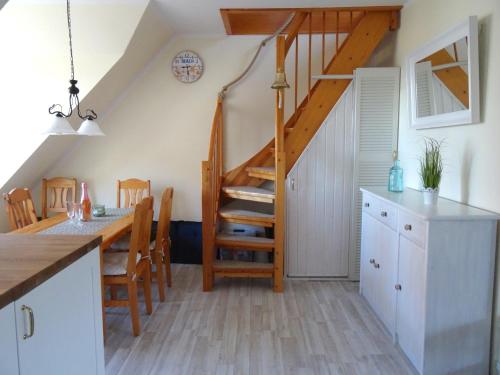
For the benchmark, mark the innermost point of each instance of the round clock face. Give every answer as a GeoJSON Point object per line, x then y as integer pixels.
{"type": "Point", "coordinates": [187, 66]}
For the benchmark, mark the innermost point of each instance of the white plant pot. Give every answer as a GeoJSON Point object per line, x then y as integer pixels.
{"type": "Point", "coordinates": [430, 195]}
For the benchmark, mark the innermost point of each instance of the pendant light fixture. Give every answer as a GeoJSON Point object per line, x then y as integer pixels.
{"type": "Point", "coordinates": [60, 124]}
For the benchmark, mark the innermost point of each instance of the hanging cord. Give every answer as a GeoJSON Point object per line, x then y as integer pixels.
{"type": "Point", "coordinates": [68, 14]}
{"type": "Point", "coordinates": [262, 44]}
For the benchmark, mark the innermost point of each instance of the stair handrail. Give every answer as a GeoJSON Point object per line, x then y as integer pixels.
{"type": "Point", "coordinates": [225, 88]}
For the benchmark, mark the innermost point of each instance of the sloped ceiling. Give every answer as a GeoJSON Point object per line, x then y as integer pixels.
{"type": "Point", "coordinates": [151, 34]}
{"type": "Point", "coordinates": [34, 68]}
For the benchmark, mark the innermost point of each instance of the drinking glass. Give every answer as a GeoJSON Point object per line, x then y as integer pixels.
{"type": "Point", "coordinates": [70, 211]}
{"type": "Point", "coordinates": [78, 212]}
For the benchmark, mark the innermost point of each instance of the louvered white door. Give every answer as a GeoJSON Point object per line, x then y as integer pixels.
{"type": "Point", "coordinates": [376, 122]}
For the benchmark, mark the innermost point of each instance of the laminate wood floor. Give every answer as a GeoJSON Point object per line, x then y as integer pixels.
{"type": "Point", "coordinates": [242, 327]}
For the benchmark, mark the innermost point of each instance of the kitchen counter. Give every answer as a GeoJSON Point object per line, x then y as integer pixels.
{"type": "Point", "coordinates": [26, 261]}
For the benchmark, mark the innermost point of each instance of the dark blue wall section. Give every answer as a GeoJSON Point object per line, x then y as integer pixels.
{"type": "Point", "coordinates": [186, 242]}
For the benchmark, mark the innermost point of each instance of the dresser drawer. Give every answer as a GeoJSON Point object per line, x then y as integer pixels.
{"type": "Point", "coordinates": [412, 228]}
{"type": "Point", "coordinates": [370, 204]}
{"type": "Point", "coordinates": [387, 214]}
{"type": "Point", "coordinates": [381, 210]}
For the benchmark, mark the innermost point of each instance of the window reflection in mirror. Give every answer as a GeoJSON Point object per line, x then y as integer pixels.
{"type": "Point", "coordinates": [442, 84]}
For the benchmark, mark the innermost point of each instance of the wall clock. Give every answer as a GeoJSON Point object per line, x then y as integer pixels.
{"type": "Point", "coordinates": [187, 66]}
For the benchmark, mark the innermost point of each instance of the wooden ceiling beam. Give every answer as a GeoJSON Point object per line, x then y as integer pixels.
{"type": "Point", "coordinates": [264, 21]}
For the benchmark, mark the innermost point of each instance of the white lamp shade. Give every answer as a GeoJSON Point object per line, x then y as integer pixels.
{"type": "Point", "coordinates": [59, 126]}
{"type": "Point", "coordinates": [91, 128]}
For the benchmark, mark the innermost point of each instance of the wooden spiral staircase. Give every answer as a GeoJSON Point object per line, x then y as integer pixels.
{"type": "Point", "coordinates": [365, 29]}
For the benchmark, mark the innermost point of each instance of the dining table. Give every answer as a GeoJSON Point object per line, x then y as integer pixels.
{"type": "Point", "coordinates": [116, 223]}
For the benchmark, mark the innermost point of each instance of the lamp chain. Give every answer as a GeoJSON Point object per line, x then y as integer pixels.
{"type": "Point", "coordinates": [68, 13]}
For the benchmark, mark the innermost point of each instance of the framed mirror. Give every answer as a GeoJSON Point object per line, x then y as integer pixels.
{"type": "Point", "coordinates": [443, 79]}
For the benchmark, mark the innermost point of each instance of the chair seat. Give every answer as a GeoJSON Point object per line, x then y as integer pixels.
{"type": "Point", "coordinates": [116, 263]}
{"type": "Point", "coordinates": [121, 244]}
{"type": "Point", "coordinates": [124, 244]}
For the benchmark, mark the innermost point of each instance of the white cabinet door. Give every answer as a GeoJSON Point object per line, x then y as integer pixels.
{"type": "Point", "coordinates": [63, 324]}
{"type": "Point", "coordinates": [379, 269]}
{"type": "Point", "coordinates": [369, 243]}
{"type": "Point", "coordinates": [411, 301]}
{"type": "Point", "coordinates": [386, 275]}
{"type": "Point", "coordinates": [8, 341]}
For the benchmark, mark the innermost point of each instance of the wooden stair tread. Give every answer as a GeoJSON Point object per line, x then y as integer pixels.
{"type": "Point", "coordinates": [234, 212]}
{"type": "Point", "coordinates": [251, 193]}
{"type": "Point", "coordinates": [244, 242]}
{"type": "Point", "coordinates": [236, 268]}
{"type": "Point", "coordinates": [231, 264]}
{"type": "Point", "coordinates": [263, 169]}
{"type": "Point", "coordinates": [243, 216]}
{"type": "Point", "coordinates": [266, 173]}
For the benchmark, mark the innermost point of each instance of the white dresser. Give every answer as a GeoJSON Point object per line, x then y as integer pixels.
{"type": "Point", "coordinates": [427, 272]}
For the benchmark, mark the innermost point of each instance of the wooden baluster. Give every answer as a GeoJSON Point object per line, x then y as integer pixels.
{"type": "Point", "coordinates": [309, 73]}
{"type": "Point", "coordinates": [296, 87]}
{"type": "Point", "coordinates": [337, 35]}
{"type": "Point", "coordinates": [220, 150]}
{"type": "Point", "coordinates": [280, 165]}
{"type": "Point", "coordinates": [323, 43]}
{"type": "Point", "coordinates": [350, 23]}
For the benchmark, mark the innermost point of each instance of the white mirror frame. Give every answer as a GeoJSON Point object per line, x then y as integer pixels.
{"type": "Point", "coordinates": [467, 29]}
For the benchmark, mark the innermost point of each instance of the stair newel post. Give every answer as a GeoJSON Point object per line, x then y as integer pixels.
{"type": "Point", "coordinates": [211, 174]}
{"type": "Point", "coordinates": [207, 224]}
{"type": "Point", "coordinates": [280, 164]}
{"type": "Point", "coordinates": [219, 161]}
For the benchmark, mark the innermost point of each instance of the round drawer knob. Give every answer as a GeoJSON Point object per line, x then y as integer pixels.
{"type": "Point", "coordinates": [367, 204]}
{"type": "Point", "coordinates": [376, 265]}
{"type": "Point", "coordinates": [383, 214]}
{"type": "Point", "coordinates": [372, 261]}
{"type": "Point", "coordinates": [408, 227]}
{"type": "Point", "coordinates": [397, 286]}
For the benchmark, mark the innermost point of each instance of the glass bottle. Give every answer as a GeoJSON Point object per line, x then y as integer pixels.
{"type": "Point", "coordinates": [86, 204]}
{"type": "Point", "coordinates": [396, 178]}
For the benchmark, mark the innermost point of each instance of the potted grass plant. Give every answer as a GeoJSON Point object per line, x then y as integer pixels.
{"type": "Point", "coordinates": [431, 169]}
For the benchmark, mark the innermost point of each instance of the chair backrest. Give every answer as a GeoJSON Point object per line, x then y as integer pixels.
{"type": "Point", "coordinates": [163, 232]}
{"type": "Point", "coordinates": [56, 192]}
{"type": "Point", "coordinates": [133, 191]}
{"type": "Point", "coordinates": [141, 231]}
{"type": "Point", "coordinates": [20, 208]}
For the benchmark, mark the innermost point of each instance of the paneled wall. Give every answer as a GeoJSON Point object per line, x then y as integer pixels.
{"type": "Point", "coordinates": [319, 198]}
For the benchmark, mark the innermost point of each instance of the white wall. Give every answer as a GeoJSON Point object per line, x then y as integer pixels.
{"type": "Point", "coordinates": [472, 152]}
{"type": "Point", "coordinates": [159, 128]}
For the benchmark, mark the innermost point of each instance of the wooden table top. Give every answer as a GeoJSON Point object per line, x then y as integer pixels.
{"type": "Point", "coordinates": [109, 234]}
{"type": "Point", "coordinates": [27, 260]}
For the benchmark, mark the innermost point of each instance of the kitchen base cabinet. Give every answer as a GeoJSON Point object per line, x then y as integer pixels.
{"type": "Point", "coordinates": [56, 328]}
{"type": "Point", "coordinates": [440, 261]}
{"type": "Point", "coordinates": [8, 343]}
